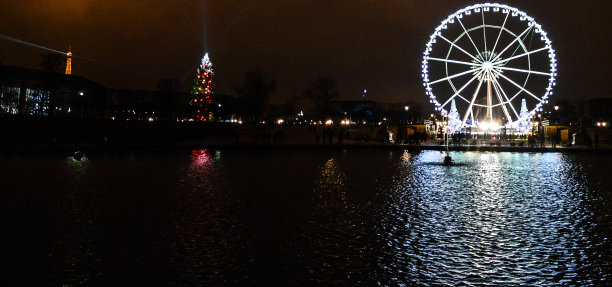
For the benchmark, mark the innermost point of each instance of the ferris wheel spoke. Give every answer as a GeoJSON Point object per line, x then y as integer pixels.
{"type": "Point", "coordinates": [479, 73]}
{"type": "Point", "coordinates": [501, 101]}
{"type": "Point", "coordinates": [451, 61]}
{"type": "Point", "coordinates": [450, 77]}
{"type": "Point", "coordinates": [521, 55]}
{"type": "Point", "coordinates": [472, 115]}
{"type": "Point", "coordinates": [459, 91]}
{"type": "Point", "coordinates": [459, 48]}
{"type": "Point", "coordinates": [520, 87]}
{"type": "Point", "coordinates": [509, 101]}
{"type": "Point", "coordinates": [515, 39]}
{"type": "Point", "coordinates": [461, 97]}
{"type": "Point", "coordinates": [469, 109]}
{"type": "Point", "coordinates": [500, 32]}
{"type": "Point", "coordinates": [468, 34]}
{"type": "Point", "coordinates": [455, 90]}
{"type": "Point", "coordinates": [484, 33]}
{"type": "Point", "coordinates": [524, 71]}
{"type": "Point", "coordinates": [522, 44]}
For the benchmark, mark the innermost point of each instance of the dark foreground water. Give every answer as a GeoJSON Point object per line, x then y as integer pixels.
{"type": "Point", "coordinates": [307, 217]}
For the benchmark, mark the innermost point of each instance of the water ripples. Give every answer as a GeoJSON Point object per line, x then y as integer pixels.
{"type": "Point", "coordinates": [328, 218]}
{"type": "Point", "coordinates": [502, 219]}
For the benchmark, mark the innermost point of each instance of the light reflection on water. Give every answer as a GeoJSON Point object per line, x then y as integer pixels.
{"type": "Point", "coordinates": [202, 239]}
{"type": "Point", "coordinates": [501, 219]}
{"type": "Point", "coordinates": [75, 253]}
{"type": "Point", "coordinates": [365, 217]}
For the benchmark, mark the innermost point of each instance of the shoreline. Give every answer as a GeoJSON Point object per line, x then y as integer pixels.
{"type": "Point", "coordinates": [97, 148]}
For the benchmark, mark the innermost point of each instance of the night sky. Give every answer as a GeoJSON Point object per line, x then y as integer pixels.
{"type": "Point", "coordinates": [361, 44]}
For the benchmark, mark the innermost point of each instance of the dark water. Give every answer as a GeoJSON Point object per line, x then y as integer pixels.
{"type": "Point", "coordinates": [307, 217]}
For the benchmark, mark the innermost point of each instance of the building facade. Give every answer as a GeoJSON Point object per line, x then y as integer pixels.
{"type": "Point", "coordinates": [28, 92]}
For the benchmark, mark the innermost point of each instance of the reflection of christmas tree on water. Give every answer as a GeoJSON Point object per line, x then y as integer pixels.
{"type": "Point", "coordinates": [202, 90]}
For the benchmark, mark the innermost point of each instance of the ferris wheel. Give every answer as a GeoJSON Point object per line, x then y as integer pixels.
{"type": "Point", "coordinates": [488, 66]}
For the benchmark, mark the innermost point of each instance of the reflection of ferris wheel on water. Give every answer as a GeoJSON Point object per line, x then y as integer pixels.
{"type": "Point", "coordinates": [487, 66]}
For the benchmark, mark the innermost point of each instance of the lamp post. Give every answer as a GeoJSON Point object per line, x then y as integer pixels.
{"type": "Point", "coordinates": [556, 117]}
{"type": "Point", "coordinates": [541, 129]}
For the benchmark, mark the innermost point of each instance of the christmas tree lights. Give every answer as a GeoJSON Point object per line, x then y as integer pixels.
{"type": "Point", "coordinates": [524, 122]}
{"type": "Point", "coordinates": [454, 123]}
{"type": "Point", "coordinates": [202, 90]}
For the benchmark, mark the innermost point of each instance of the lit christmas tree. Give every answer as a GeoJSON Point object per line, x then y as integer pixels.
{"type": "Point", "coordinates": [202, 90]}
{"type": "Point", "coordinates": [524, 122]}
{"type": "Point", "coordinates": [454, 123]}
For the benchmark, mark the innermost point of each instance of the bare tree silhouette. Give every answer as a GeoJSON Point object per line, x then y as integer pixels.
{"type": "Point", "coordinates": [322, 92]}
{"type": "Point", "coordinates": [254, 94]}
{"type": "Point", "coordinates": [168, 90]}
{"type": "Point", "coordinates": [53, 63]}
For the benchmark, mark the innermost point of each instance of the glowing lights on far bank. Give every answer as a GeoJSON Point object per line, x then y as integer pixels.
{"type": "Point", "coordinates": [489, 126]}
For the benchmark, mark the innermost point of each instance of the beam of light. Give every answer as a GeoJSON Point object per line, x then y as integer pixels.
{"type": "Point", "coordinates": [103, 63]}
{"type": "Point", "coordinates": [117, 67]}
{"type": "Point", "coordinates": [211, 48]}
{"type": "Point", "coordinates": [31, 44]}
{"type": "Point", "coordinates": [237, 18]}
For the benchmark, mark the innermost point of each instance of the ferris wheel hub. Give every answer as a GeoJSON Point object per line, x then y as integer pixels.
{"type": "Point", "coordinates": [487, 66]}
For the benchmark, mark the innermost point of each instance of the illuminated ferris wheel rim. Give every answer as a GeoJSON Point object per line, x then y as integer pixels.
{"type": "Point", "coordinates": [489, 67]}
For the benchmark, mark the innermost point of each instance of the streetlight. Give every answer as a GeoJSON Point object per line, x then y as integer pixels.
{"type": "Point", "coordinates": [406, 108]}
{"type": "Point", "coordinates": [556, 108]}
